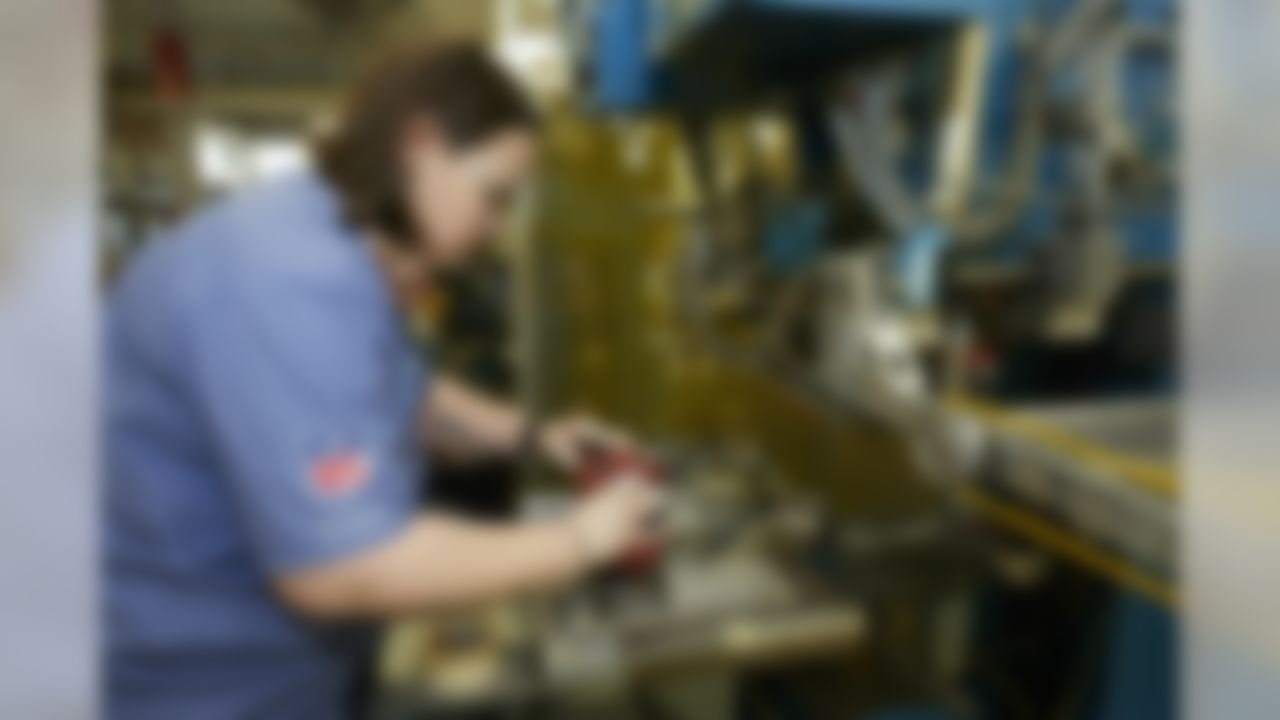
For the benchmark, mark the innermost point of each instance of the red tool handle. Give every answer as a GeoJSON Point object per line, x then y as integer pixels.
{"type": "Point", "coordinates": [600, 468]}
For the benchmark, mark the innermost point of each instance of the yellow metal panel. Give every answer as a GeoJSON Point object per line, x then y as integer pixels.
{"type": "Point", "coordinates": [613, 216]}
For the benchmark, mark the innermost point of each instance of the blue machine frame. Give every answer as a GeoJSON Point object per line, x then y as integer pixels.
{"type": "Point", "coordinates": [644, 58]}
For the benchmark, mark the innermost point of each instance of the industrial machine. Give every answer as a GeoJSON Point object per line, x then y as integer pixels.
{"type": "Point", "coordinates": [946, 222]}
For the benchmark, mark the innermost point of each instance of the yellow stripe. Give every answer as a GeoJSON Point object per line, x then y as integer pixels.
{"type": "Point", "coordinates": [1072, 548]}
{"type": "Point", "coordinates": [1154, 477]}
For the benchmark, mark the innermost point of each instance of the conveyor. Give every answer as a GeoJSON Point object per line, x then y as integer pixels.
{"type": "Point", "coordinates": [1094, 481]}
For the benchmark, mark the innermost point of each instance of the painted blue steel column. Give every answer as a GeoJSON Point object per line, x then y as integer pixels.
{"type": "Point", "coordinates": [1141, 674]}
{"type": "Point", "coordinates": [623, 69]}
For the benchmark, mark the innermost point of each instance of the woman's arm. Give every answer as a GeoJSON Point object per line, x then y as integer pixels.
{"type": "Point", "coordinates": [439, 561]}
{"type": "Point", "coordinates": [436, 562]}
{"type": "Point", "coordinates": [461, 421]}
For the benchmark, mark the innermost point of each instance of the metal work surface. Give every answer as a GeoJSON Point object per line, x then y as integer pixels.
{"type": "Point", "coordinates": [728, 597]}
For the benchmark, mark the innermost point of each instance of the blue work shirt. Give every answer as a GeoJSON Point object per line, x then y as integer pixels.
{"type": "Point", "coordinates": [261, 398]}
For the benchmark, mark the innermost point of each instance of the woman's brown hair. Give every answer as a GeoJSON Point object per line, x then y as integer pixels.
{"type": "Point", "coordinates": [455, 83]}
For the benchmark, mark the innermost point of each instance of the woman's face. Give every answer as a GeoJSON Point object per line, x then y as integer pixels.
{"type": "Point", "coordinates": [458, 197]}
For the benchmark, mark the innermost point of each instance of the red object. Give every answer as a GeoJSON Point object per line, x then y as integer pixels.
{"type": "Point", "coordinates": [339, 474]}
{"type": "Point", "coordinates": [603, 467]}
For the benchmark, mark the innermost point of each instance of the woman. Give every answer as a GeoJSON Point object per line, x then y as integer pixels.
{"type": "Point", "coordinates": [266, 413]}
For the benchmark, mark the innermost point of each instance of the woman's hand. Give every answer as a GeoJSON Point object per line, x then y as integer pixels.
{"type": "Point", "coordinates": [618, 517]}
{"type": "Point", "coordinates": [568, 441]}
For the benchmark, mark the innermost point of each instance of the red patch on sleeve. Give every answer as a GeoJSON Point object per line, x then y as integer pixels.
{"type": "Point", "coordinates": [339, 474]}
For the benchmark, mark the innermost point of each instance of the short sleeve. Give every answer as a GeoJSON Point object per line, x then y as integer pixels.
{"type": "Point", "coordinates": [308, 424]}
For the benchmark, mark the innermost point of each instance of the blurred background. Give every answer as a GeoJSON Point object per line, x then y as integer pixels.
{"type": "Point", "coordinates": [889, 285]}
